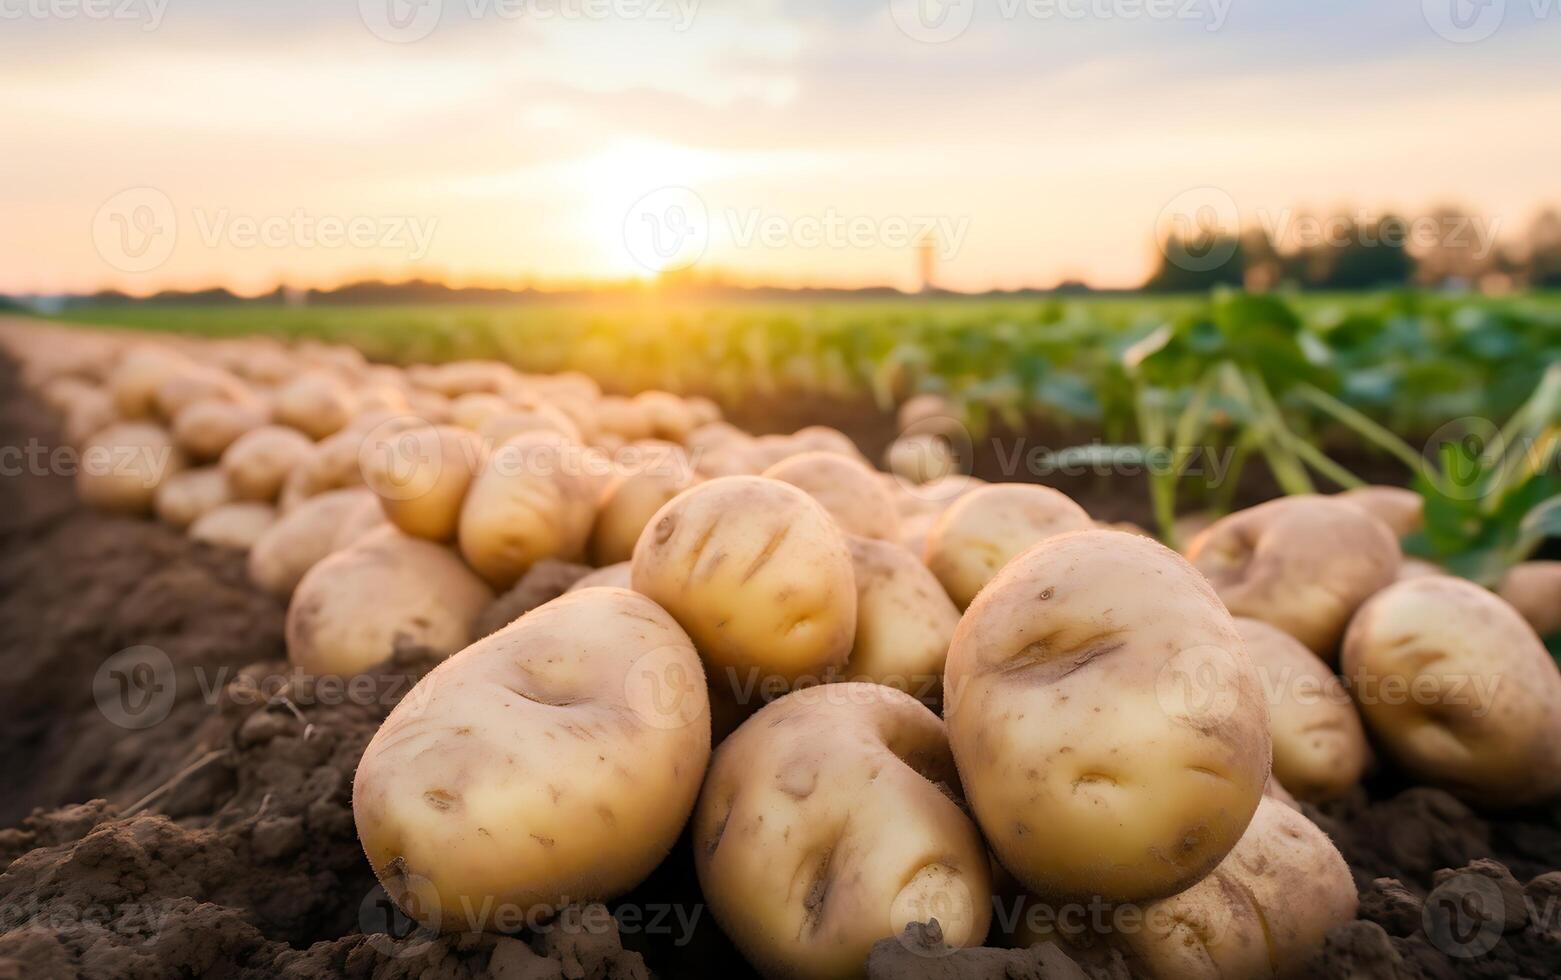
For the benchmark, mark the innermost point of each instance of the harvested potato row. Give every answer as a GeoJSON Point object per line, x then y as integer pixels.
{"type": "Point", "coordinates": [555, 761]}
{"type": "Point", "coordinates": [1303, 564]}
{"type": "Point", "coordinates": [827, 824]}
{"type": "Point", "coordinates": [1111, 734]}
{"type": "Point", "coordinates": [1458, 688]}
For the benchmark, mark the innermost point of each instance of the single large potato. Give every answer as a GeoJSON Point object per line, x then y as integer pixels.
{"type": "Point", "coordinates": [534, 499]}
{"type": "Point", "coordinates": [123, 465]}
{"type": "Point", "coordinates": [1403, 511]}
{"type": "Point", "coordinates": [237, 525]}
{"type": "Point", "coordinates": [826, 824]}
{"type": "Point", "coordinates": [206, 429]}
{"type": "Point", "coordinates": [555, 761]}
{"type": "Point", "coordinates": [904, 620]}
{"type": "Point", "coordinates": [632, 498]}
{"type": "Point", "coordinates": [135, 380]}
{"type": "Point", "coordinates": [316, 404]}
{"type": "Point", "coordinates": [759, 575]}
{"type": "Point", "coordinates": [185, 496]}
{"type": "Point", "coordinates": [388, 591]}
{"type": "Point", "coordinates": [1459, 690]}
{"type": "Point", "coordinates": [302, 537]}
{"type": "Point", "coordinates": [1319, 745]}
{"type": "Point", "coordinates": [1110, 732]}
{"type": "Point", "coordinates": [1533, 588]}
{"type": "Point", "coordinates": [259, 462]}
{"type": "Point", "coordinates": [198, 384]}
{"type": "Point", "coordinates": [422, 476]}
{"type": "Point", "coordinates": [983, 530]}
{"type": "Point", "coordinates": [847, 488]}
{"type": "Point", "coordinates": [1303, 564]}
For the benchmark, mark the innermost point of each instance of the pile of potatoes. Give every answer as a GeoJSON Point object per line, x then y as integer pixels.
{"type": "Point", "coordinates": [869, 699]}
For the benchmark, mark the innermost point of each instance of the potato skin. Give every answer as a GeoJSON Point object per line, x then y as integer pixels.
{"type": "Point", "coordinates": [904, 620]}
{"type": "Point", "coordinates": [1111, 734]}
{"type": "Point", "coordinates": [630, 501]}
{"type": "Point", "coordinates": [1303, 564]}
{"type": "Point", "coordinates": [1533, 588]}
{"type": "Point", "coordinates": [848, 489]}
{"type": "Point", "coordinates": [1457, 687]}
{"type": "Point", "coordinates": [619, 576]}
{"type": "Point", "coordinates": [823, 827]}
{"type": "Point", "coordinates": [237, 525]}
{"type": "Point", "coordinates": [985, 529]}
{"type": "Point", "coordinates": [185, 496]}
{"type": "Point", "coordinates": [531, 501]}
{"type": "Point", "coordinates": [259, 462]}
{"type": "Point", "coordinates": [1319, 744]}
{"type": "Point", "coordinates": [316, 404]}
{"type": "Point", "coordinates": [301, 538]}
{"type": "Point", "coordinates": [355, 608]}
{"type": "Point", "coordinates": [205, 429]}
{"type": "Point", "coordinates": [1403, 511]}
{"type": "Point", "coordinates": [422, 476]}
{"type": "Point", "coordinates": [759, 575]}
{"type": "Point", "coordinates": [554, 761]}
{"type": "Point", "coordinates": [123, 465]}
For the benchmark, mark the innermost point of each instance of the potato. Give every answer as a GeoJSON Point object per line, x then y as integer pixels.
{"type": "Point", "coordinates": [1110, 732]}
{"type": "Point", "coordinates": [501, 428]}
{"type": "Point", "coordinates": [826, 825]}
{"type": "Point", "coordinates": [555, 761]}
{"type": "Point", "coordinates": [234, 525]}
{"type": "Point", "coordinates": [759, 575]}
{"type": "Point", "coordinates": [904, 620]}
{"type": "Point", "coordinates": [422, 475]}
{"type": "Point", "coordinates": [623, 417]}
{"type": "Point", "coordinates": [471, 410]}
{"type": "Point", "coordinates": [138, 375]}
{"type": "Point", "coordinates": [91, 412]}
{"type": "Point", "coordinates": [315, 404]}
{"type": "Point", "coordinates": [984, 529]}
{"type": "Point", "coordinates": [197, 384]}
{"type": "Point", "coordinates": [1319, 746]}
{"type": "Point", "coordinates": [360, 520]}
{"type": "Point", "coordinates": [387, 592]}
{"type": "Point", "coordinates": [1403, 511]}
{"type": "Point", "coordinates": [633, 498]}
{"type": "Point", "coordinates": [206, 429]}
{"type": "Point", "coordinates": [1457, 687]}
{"type": "Point", "coordinates": [1417, 568]}
{"type": "Point", "coordinates": [302, 537]}
{"type": "Point", "coordinates": [260, 461]}
{"type": "Point", "coordinates": [185, 496]}
{"type": "Point", "coordinates": [532, 500]}
{"type": "Point", "coordinates": [823, 439]}
{"type": "Point", "coordinates": [612, 577]}
{"type": "Point", "coordinates": [1261, 913]}
{"type": "Point", "coordinates": [123, 465]}
{"type": "Point", "coordinates": [849, 490]}
{"type": "Point", "coordinates": [921, 458]}
{"type": "Point", "coordinates": [1303, 564]}
{"type": "Point", "coordinates": [669, 418]}
{"type": "Point", "coordinates": [1533, 588]}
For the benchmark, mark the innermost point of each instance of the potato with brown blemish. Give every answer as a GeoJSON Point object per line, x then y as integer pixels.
{"type": "Point", "coordinates": [759, 575]}
{"type": "Point", "coordinates": [904, 620]}
{"type": "Point", "coordinates": [422, 475]}
{"type": "Point", "coordinates": [828, 823]}
{"type": "Point", "coordinates": [303, 537]}
{"type": "Point", "coordinates": [1303, 564]}
{"type": "Point", "coordinates": [1319, 745]}
{"type": "Point", "coordinates": [985, 529]}
{"type": "Point", "coordinates": [848, 489]}
{"type": "Point", "coordinates": [1458, 688]}
{"type": "Point", "coordinates": [555, 761]}
{"type": "Point", "coordinates": [633, 497]}
{"type": "Point", "coordinates": [1403, 511]}
{"type": "Point", "coordinates": [1533, 588]}
{"type": "Point", "coordinates": [1111, 734]}
{"type": "Point", "coordinates": [123, 466]}
{"type": "Point", "coordinates": [358, 606]}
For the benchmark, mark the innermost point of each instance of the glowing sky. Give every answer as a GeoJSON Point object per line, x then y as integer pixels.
{"type": "Point", "coordinates": [772, 140]}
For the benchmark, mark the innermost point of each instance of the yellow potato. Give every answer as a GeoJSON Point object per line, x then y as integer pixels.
{"type": "Point", "coordinates": [921, 458]}
{"type": "Point", "coordinates": [89, 413]}
{"type": "Point", "coordinates": [1303, 564]}
{"type": "Point", "coordinates": [555, 761]}
{"type": "Point", "coordinates": [236, 525]}
{"type": "Point", "coordinates": [122, 466]}
{"type": "Point", "coordinates": [198, 384]}
{"type": "Point", "coordinates": [983, 530]}
{"type": "Point", "coordinates": [1319, 745]}
{"type": "Point", "coordinates": [759, 575]}
{"type": "Point", "coordinates": [385, 593]}
{"type": "Point", "coordinates": [135, 380]}
{"type": "Point", "coordinates": [187, 494]}
{"type": "Point", "coordinates": [669, 418]}
{"type": "Point", "coordinates": [535, 498]}
{"type": "Point", "coordinates": [422, 476]}
{"type": "Point", "coordinates": [1110, 732]}
{"type": "Point", "coordinates": [904, 620]}
{"type": "Point", "coordinates": [1533, 588]}
{"type": "Point", "coordinates": [205, 429]}
{"type": "Point", "coordinates": [848, 489]}
{"type": "Point", "coordinates": [501, 428]}
{"type": "Point", "coordinates": [315, 404]}
{"type": "Point", "coordinates": [260, 461]}
{"type": "Point", "coordinates": [1457, 687]}
{"type": "Point", "coordinates": [825, 825]}
{"type": "Point", "coordinates": [302, 537]}
{"type": "Point", "coordinates": [1403, 511]}
{"type": "Point", "coordinates": [633, 498]}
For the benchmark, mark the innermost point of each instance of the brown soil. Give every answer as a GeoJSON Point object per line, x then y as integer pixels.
{"type": "Point", "coordinates": [179, 802]}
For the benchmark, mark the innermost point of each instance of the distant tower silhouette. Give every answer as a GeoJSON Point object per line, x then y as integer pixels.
{"type": "Point", "coordinates": [927, 261]}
